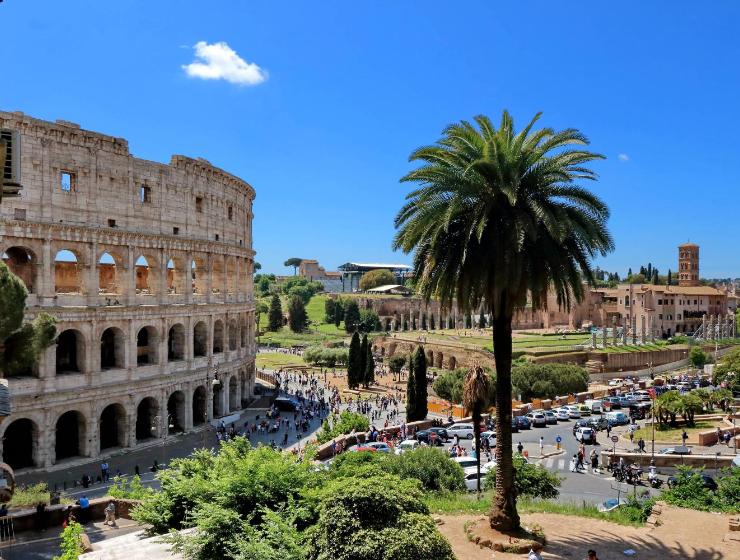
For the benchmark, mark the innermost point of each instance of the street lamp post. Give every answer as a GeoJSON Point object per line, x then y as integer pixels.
{"type": "Point", "coordinates": [652, 415]}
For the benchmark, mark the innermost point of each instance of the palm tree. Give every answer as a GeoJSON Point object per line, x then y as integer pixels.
{"type": "Point", "coordinates": [496, 220]}
{"type": "Point", "coordinates": [475, 398]}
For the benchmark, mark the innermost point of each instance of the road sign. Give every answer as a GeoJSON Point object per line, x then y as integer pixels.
{"type": "Point", "coordinates": [558, 439]}
{"type": "Point", "coordinates": [615, 439]}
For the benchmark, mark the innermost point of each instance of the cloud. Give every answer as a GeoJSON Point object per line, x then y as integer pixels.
{"type": "Point", "coordinates": [623, 157]}
{"type": "Point", "coordinates": [218, 61]}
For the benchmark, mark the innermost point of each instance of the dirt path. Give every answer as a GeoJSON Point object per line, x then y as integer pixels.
{"type": "Point", "coordinates": [684, 534]}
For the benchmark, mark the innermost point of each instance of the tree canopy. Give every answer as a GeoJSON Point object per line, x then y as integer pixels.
{"type": "Point", "coordinates": [374, 278]}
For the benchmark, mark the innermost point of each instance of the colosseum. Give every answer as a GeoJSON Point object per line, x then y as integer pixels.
{"type": "Point", "coordinates": [147, 269]}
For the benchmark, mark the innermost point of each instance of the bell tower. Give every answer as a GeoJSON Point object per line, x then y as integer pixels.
{"type": "Point", "coordinates": [688, 264]}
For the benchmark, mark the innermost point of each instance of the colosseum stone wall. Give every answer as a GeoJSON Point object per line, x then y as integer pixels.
{"type": "Point", "coordinates": [147, 268]}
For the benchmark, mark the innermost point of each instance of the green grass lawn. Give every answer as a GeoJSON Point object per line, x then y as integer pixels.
{"type": "Point", "coordinates": [519, 343]}
{"type": "Point", "coordinates": [673, 435]}
{"type": "Point", "coordinates": [319, 332]}
{"type": "Point", "coordinates": [277, 360]}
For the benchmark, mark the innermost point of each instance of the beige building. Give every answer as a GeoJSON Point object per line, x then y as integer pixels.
{"type": "Point", "coordinates": [311, 269]}
{"type": "Point", "coordinates": [147, 268]}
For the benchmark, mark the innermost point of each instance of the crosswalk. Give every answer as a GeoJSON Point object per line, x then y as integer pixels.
{"type": "Point", "coordinates": [563, 465]}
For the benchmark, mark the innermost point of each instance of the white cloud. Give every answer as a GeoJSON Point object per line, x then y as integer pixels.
{"type": "Point", "coordinates": [623, 157]}
{"type": "Point", "coordinates": [218, 61]}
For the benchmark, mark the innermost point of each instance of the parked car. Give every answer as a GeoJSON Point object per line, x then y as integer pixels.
{"type": "Point", "coordinates": [616, 382]}
{"type": "Point", "coordinates": [490, 436]}
{"type": "Point", "coordinates": [585, 410]}
{"type": "Point", "coordinates": [573, 411]}
{"type": "Point", "coordinates": [488, 466]}
{"type": "Point", "coordinates": [550, 417]}
{"type": "Point", "coordinates": [708, 482]}
{"type": "Point", "coordinates": [524, 423]}
{"type": "Point", "coordinates": [538, 419]}
{"type": "Point", "coordinates": [562, 414]}
{"type": "Point", "coordinates": [425, 436]}
{"type": "Point", "coordinates": [586, 434]}
{"type": "Point", "coordinates": [286, 404]}
{"type": "Point", "coordinates": [407, 445]}
{"type": "Point", "coordinates": [441, 433]}
{"type": "Point", "coordinates": [465, 462]}
{"type": "Point", "coordinates": [678, 450]}
{"type": "Point", "coordinates": [617, 418]}
{"type": "Point", "coordinates": [471, 479]}
{"type": "Point", "coordinates": [611, 504]}
{"type": "Point", "coordinates": [595, 405]}
{"type": "Point", "coordinates": [514, 424]}
{"type": "Point", "coordinates": [463, 430]}
{"type": "Point", "coordinates": [581, 423]}
{"type": "Point", "coordinates": [614, 403]}
{"type": "Point", "coordinates": [375, 446]}
{"type": "Point", "coordinates": [598, 424]}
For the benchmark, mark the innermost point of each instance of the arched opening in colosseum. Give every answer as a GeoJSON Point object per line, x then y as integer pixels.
{"type": "Point", "coordinates": [70, 351]}
{"type": "Point", "coordinates": [67, 273]}
{"type": "Point", "coordinates": [430, 357]}
{"type": "Point", "coordinates": [176, 413]}
{"type": "Point", "coordinates": [439, 360]}
{"type": "Point", "coordinates": [22, 263]}
{"type": "Point", "coordinates": [453, 362]}
{"type": "Point", "coordinates": [232, 334]}
{"type": "Point", "coordinates": [176, 343]}
{"type": "Point", "coordinates": [146, 419]}
{"type": "Point", "coordinates": [217, 275]}
{"type": "Point", "coordinates": [198, 276]}
{"type": "Point", "coordinates": [108, 275]}
{"type": "Point", "coordinates": [233, 393]}
{"type": "Point", "coordinates": [388, 323]}
{"type": "Point", "coordinates": [112, 348]}
{"type": "Point", "coordinates": [175, 276]}
{"type": "Point", "coordinates": [218, 336]}
{"type": "Point", "coordinates": [243, 334]}
{"type": "Point", "coordinates": [112, 426]}
{"type": "Point", "coordinates": [199, 405]}
{"type": "Point", "coordinates": [200, 339]}
{"type": "Point", "coordinates": [146, 277]}
{"type": "Point", "coordinates": [231, 277]}
{"type": "Point", "coordinates": [70, 435]}
{"type": "Point", "coordinates": [147, 342]}
{"type": "Point", "coordinates": [244, 388]}
{"type": "Point", "coordinates": [218, 391]}
{"type": "Point", "coordinates": [20, 443]}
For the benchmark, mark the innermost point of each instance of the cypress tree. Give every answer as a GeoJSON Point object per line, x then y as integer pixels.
{"type": "Point", "coordinates": [482, 320]}
{"type": "Point", "coordinates": [668, 281]}
{"type": "Point", "coordinates": [297, 318]}
{"type": "Point", "coordinates": [421, 407]}
{"type": "Point", "coordinates": [363, 360]}
{"type": "Point", "coordinates": [275, 315]}
{"type": "Point", "coordinates": [329, 309]}
{"type": "Point", "coordinates": [353, 362]}
{"type": "Point", "coordinates": [369, 366]}
{"type": "Point", "coordinates": [411, 394]}
{"type": "Point", "coordinates": [351, 316]}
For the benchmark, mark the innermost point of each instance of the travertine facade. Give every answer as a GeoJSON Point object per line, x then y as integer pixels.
{"type": "Point", "coordinates": [148, 269]}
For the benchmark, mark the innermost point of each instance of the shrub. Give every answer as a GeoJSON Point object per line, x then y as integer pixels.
{"type": "Point", "coordinates": [297, 318]}
{"type": "Point", "coordinates": [330, 357]}
{"type": "Point", "coordinates": [529, 480]}
{"type": "Point", "coordinates": [449, 385]}
{"type": "Point", "coordinates": [369, 321]}
{"type": "Point", "coordinates": [689, 491]}
{"type": "Point", "coordinates": [375, 278]}
{"type": "Point", "coordinates": [548, 380]}
{"type": "Point", "coordinates": [345, 423]}
{"type": "Point", "coordinates": [396, 363]}
{"type": "Point", "coordinates": [697, 357]}
{"type": "Point", "coordinates": [431, 466]}
{"type": "Point", "coordinates": [128, 489]}
{"type": "Point", "coordinates": [71, 545]}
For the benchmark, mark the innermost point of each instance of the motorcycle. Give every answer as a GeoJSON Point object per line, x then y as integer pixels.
{"type": "Point", "coordinates": [653, 479]}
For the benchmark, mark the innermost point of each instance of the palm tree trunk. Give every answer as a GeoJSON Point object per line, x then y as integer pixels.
{"type": "Point", "coordinates": [503, 515]}
{"type": "Point", "coordinates": [476, 431]}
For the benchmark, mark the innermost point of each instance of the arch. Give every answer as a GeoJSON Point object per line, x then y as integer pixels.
{"type": "Point", "coordinates": [198, 276]}
{"type": "Point", "coordinates": [231, 277]}
{"type": "Point", "coordinates": [200, 339]}
{"type": "Point", "coordinates": [218, 336]}
{"type": "Point", "coordinates": [232, 334]}
{"type": "Point", "coordinates": [70, 352]}
{"type": "Point", "coordinates": [112, 426]}
{"type": "Point", "coordinates": [22, 262]}
{"type": "Point", "coordinates": [176, 343]}
{"type": "Point", "coordinates": [217, 400]}
{"type": "Point", "coordinates": [243, 334]}
{"type": "Point", "coordinates": [112, 343]}
{"type": "Point", "coordinates": [439, 360]}
{"type": "Point", "coordinates": [176, 413]}
{"type": "Point", "coordinates": [217, 275]}
{"type": "Point", "coordinates": [71, 434]}
{"type": "Point", "coordinates": [200, 409]}
{"type": "Point", "coordinates": [453, 362]}
{"type": "Point", "coordinates": [176, 277]}
{"type": "Point", "coordinates": [108, 274]}
{"type": "Point", "coordinates": [67, 272]}
{"type": "Point", "coordinates": [430, 357]}
{"type": "Point", "coordinates": [145, 269]}
{"type": "Point", "coordinates": [146, 419]}
{"type": "Point", "coordinates": [233, 393]}
{"type": "Point", "coordinates": [147, 343]}
{"type": "Point", "coordinates": [20, 443]}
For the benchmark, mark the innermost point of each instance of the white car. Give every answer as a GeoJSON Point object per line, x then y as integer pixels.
{"type": "Point", "coordinates": [562, 414]}
{"type": "Point", "coordinates": [538, 419]}
{"type": "Point", "coordinates": [471, 479]}
{"type": "Point", "coordinates": [488, 466]}
{"type": "Point", "coordinates": [465, 462]}
{"type": "Point", "coordinates": [407, 445]}
{"type": "Point", "coordinates": [573, 411]}
{"type": "Point", "coordinates": [461, 430]}
{"type": "Point", "coordinates": [585, 435]}
{"type": "Point", "coordinates": [616, 382]}
{"type": "Point", "coordinates": [490, 436]}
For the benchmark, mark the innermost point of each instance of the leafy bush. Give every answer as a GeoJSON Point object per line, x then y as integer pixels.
{"type": "Point", "coordinates": [321, 355]}
{"type": "Point", "coordinates": [397, 363]}
{"type": "Point", "coordinates": [728, 371]}
{"type": "Point", "coordinates": [432, 467]}
{"type": "Point", "coordinates": [548, 380]}
{"type": "Point", "coordinates": [380, 517]}
{"type": "Point", "coordinates": [71, 545]}
{"type": "Point", "coordinates": [301, 287]}
{"type": "Point", "coordinates": [697, 357]}
{"type": "Point", "coordinates": [128, 489]}
{"type": "Point", "coordinates": [529, 480]}
{"type": "Point", "coordinates": [374, 278]}
{"type": "Point", "coordinates": [689, 491]}
{"type": "Point", "coordinates": [449, 385]}
{"type": "Point", "coordinates": [345, 423]}
{"type": "Point", "coordinates": [369, 321]}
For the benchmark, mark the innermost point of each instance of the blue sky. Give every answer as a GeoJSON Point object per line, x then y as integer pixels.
{"type": "Point", "coordinates": [334, 95]}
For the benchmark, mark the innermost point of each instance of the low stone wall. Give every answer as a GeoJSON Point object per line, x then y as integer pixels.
{"type": "Point", "coordinates": [643, 459]}
{"type": "Point", "coordinates": [324, 451]}
{"type": "Point", "coordinates": [710, 436]}
{"type": "Point", "coordinates": [28, 519]}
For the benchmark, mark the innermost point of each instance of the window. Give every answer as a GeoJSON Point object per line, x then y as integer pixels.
{"type": "Point", "coordinates": [175, 230]}
{"type": "Point", "coordinates": [216, 237]}
{"type": "Point", "coordinates": [67, 181]}
{"type": "Point", "coordinates": [678, 317]}
{"type": "Point", "coordinates": [660, 316]}
{"type": "Point", "coordinates": [145, 194]}
{"type": "Point", "coordinates": [11, 171]}
{"type": "Point", "coordinates": [660, 302]}
{"type": "Point", "coordinates": [19, 214]}
{"type": "Point", "coordinates": [231, 213]}
{"type": "Point", "coordinates": [111, 223]}
{"type": "Point", "coordinates": [199, 204]}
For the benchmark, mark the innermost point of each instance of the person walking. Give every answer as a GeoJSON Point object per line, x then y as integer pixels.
{"type": "Point", "coordinates": [104, 470]}
{"type": "Point", "coordinates": [594, 461]}
{"type": "Point", "coordinates": [591, 555]}
{"type": "Point", "coordinates": [684, 437]}
{"type": "Point", "coordinates": [542, 446]}
{"type": "Point", "coordinates": [520, 448]}
{"type": "Point", "coordinates": [84, 504]}
{"type": "Point", "coordinates": [535, 553]}
{"type": "Point", "coordinates": [110, 514]}
{"type": "Point", "coordinates": [641, 445]}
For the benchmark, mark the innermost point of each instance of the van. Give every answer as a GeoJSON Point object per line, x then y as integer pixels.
{"type": "Point", "coordinates": [617, 417]}
{"type": "Point", "coordinates": [594, 405]}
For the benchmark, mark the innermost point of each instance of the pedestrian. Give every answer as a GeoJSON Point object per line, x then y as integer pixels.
{"type": "Point", "coordinates": [535, 551]}
{"type": "Point", "coordinates": [104, 471]}
{"type": "Point", "coordinates": [591, 555]}
{"type": "Point", "coordinates": [632, 437]}
{"type": "Point", "coordinates": [542, 446]}
{"type": "Point", "coordinates": [136, 470]}
{"type": "Point", "coordinates": [110, 514]}
{"type": "Point", "coordinates": [520, 448]}
{"type": "Point", "coordinates": [684, 437]}
{"type": "Point", "coordinates": [594, 460]}
{"type": "Point", "coordinates": [608, 428]}
{"type": "Point", "coordinates": [641, 445]}
{"type": "Point", "coordinates": [84, 504]}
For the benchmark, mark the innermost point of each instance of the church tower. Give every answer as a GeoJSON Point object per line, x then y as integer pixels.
{"type": "Point", "coordinates": [688, 264]}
